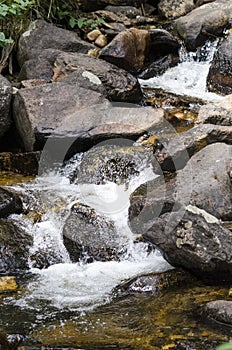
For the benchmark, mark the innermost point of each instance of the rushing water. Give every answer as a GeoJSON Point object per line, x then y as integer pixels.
{"type": "Point", "coordinates": [189, 76]}
{"type": "Point", "coordinates": [80, 286]}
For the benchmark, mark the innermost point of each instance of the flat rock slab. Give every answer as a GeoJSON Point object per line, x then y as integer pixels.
{"type": "Point", "coordinates": [60, 110]}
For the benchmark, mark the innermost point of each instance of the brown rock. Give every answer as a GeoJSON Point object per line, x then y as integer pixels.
{"type": "Point", "coordinates": [175, 8]}
{"type": "Point", "coordinates": [128, 50]}
{"type": "Point", "coordinates": [101, 40]}
{"type": "Point", "coordinates": [92, 36]}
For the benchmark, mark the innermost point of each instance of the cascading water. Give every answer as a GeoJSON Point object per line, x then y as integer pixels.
{"type": "Point", "coordinates": [189, 76]}
{"type": "Point", "coordinates": [80, 286]}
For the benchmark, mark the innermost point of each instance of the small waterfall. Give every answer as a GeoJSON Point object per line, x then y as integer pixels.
{"type": "Point", "coordinates": [189, 76]}
{"type": "Point", "coordinates": [81, 286]}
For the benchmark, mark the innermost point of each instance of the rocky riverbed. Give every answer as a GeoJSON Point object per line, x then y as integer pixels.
{"type": "Point", "coordinates": [116, 198]}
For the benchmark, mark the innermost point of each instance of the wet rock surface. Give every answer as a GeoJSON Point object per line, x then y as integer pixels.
{"type": "Point", "coordinates": [90, 236]}
{"type": "Point", "coordinates": [9, 203]}
{"type": "Point", "coordinates": [205, 22]}
{"type": "Point", "coordinates": [21, 163]}
{"type": "Point", "coordinates": [194, 240]}
{"type": "Point", "coordinates": [14, 252]}
{"type": "Point", "coordinates": [220, 74]}
{"type": "Point", "coordinates": [111, 163]}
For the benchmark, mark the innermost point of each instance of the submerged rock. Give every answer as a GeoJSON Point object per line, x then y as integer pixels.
{"type": "Point", "coordinates": [220, 73]}
{"type": "Point", "coordinates": [20, 163]}
{"type": "Point", "coordinates": [9, 203]}
{"type": "Point", "coordinates": [205, 22]}
{"type": "Point", "coordinates": [219, 310]}
{"type": "Point", "coordinates": [92, 73]}
{"type": "Point", "coordinates": [8, 284]}
{"type": "Point", "coordinates": [90, 236]}
{"type": "Point", "coordinates": [155, 284]}
{"type": "Point", "coordinates": [14, 244]}
{"type": "Point", "coordinates": [194, 241]}
{"type": "Point", "coordinates": [216, 113]}
{"type": "Point", "coordinates": [5, 102]}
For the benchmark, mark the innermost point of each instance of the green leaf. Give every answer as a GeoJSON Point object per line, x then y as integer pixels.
{"type": "Point", "coordinates": [80, 22]}
{"type": "Point", "coordinates": [72, 22]}
{"type": "Point", "coordinates": [226, 346]}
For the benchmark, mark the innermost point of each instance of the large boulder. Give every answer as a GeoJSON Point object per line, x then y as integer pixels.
{"type": "Point", "coordinates": [175, 153]}
{"type": "Point", "coordinates": [175, 8]}
{"type": "Point", "coordinates": [216, 113]}
{"type": "Point", "coordinates": [115, 83]}
{"type": "Point", "coordinates": [15, 244]}
{"type": "Point", "coordinates": [194, 241]}
{"type": "Point", "coordinates": [40, 110]}
{"type": "Point", "coordinates": [205, 22]}
{"type": "Point", "coordinates": [220, 73]}
{"type": "Point", "coordinates": [5, 102]}
{"type": "Point", "coordinates": [43, 35]}
{"type": "Point", "coordinates": [128, 50]}
{"type": "Point", "coordinates": [207, 176]}
{"type": "Point", "coordinates": [89, 235]}
{"type": "Point", "coordinates": [9, 203]}
{"type": "Point", "coordinates": [72, 113]}
{"type": "Point", "coordinates": [36, 68]}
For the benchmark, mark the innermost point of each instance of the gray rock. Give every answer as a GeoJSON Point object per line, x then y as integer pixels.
{"type": "Point", "coordinates": [175, 154]}
{"type": "Point", "coordinates": [205, 22]}
{"type": "Point", "coordinates": [216, 113]}
{"type": "Point", "coordinates": [89, 235]}
{"type": "Point", "coordinates": [9, 203]}
{"type": "Point", "coordinates": [5, 102]}
{"type": "Point", "coordinates": [194, 241]}
{"type": "Point", "coordinates": [129, 11]}
{"type": "Point", "coordinates": [128, 50]}
{"type": "Point", "coordinates": [162, 43]}
{"type": "Point", "coordinates": [71, 114]}
{"type": "Point", "coordinates": [43, 35]}
{"type": "Point", "coordinates": [220, 73]}
{"type": "Point", "coordinates": [206, 181]}
{"type": "Point", "coordinates": [219, 310]}
{"type": "Point", "coordinates": [40, 110]}
{"type": "Point", "coordinates": [117, 84]}
{"type": "Point", "coordinates": [14, 250]}
{"type": "Point", "coordinates": [175, 8]}
{"type": "Point", "coordinates": [36, 69]}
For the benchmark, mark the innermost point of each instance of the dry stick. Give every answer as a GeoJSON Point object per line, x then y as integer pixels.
{"type": "Point", "coordinates": [143, 9]}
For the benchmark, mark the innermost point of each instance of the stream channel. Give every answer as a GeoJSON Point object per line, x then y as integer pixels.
{"type": "Point", "coordinates": [75, 305]}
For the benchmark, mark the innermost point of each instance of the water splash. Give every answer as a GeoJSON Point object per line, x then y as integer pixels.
{"type": "Point", "coordinates": [189, 76]}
